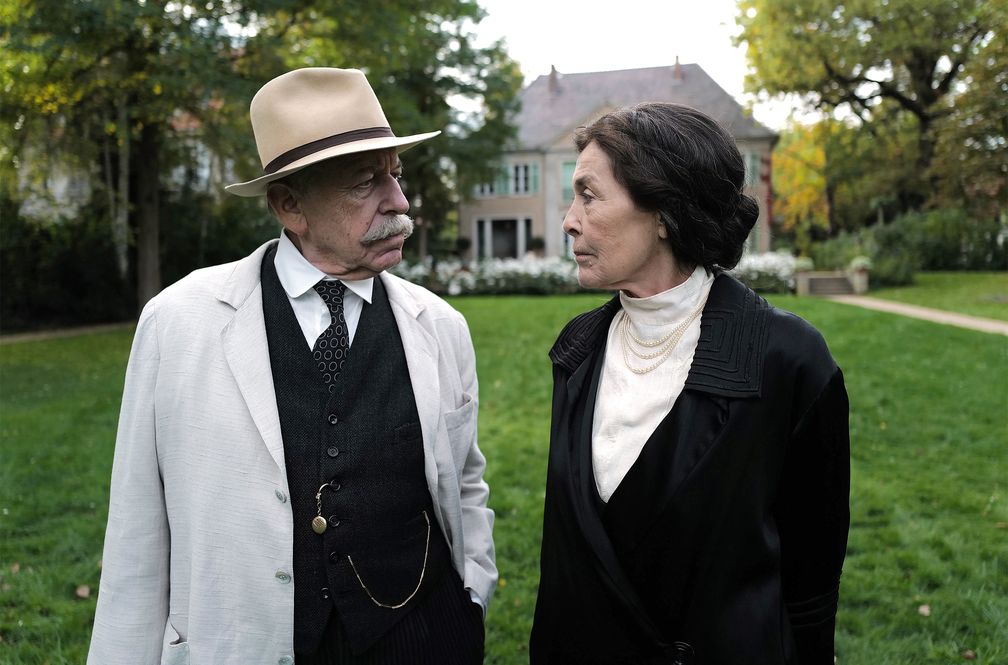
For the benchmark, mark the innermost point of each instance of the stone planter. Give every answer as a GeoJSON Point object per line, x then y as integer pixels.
{"type": "Point", "coordinates": [859, 281]}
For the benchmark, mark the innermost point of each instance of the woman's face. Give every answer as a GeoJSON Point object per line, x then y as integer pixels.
{"type": "Point", "coordinates": [616, 245]}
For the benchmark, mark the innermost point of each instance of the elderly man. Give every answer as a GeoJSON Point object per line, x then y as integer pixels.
{"type": "Point", "coordinates": [296, 473]}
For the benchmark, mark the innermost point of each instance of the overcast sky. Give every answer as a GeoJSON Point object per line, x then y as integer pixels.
{"type": "Point", "coordinates": [589, 35]}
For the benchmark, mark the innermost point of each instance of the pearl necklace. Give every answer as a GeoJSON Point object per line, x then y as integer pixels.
{"type": "Point", "coordinates": [664, 344]}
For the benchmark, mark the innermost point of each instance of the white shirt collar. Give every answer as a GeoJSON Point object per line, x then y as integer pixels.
{"type": "Point", "coordinates": [671, 306]}
{"type": "Point", "coordinates": [298, 276]}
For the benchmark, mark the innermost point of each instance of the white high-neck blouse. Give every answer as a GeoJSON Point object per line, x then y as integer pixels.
{"type": "Point", "coordinates": [629, 406]}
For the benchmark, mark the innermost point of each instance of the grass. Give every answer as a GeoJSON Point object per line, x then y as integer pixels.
{"type": "Point", "coordinates": [928, 428]}
{"type": "Point", "coordinates": [976, 293]}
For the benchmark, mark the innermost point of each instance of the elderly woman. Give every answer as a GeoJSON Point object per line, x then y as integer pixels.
{"type": "Point", "coordinates": [697, 492]}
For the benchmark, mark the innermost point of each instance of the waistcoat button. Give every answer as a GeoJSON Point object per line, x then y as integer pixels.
{"type": "Point", "coordinates": [333, 451]}
{"type": "Point", "coordinates": [333, 419]}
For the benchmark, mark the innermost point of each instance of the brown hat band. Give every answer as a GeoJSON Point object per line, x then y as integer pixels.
{"type": "Point", "coordinates": [300, 152]}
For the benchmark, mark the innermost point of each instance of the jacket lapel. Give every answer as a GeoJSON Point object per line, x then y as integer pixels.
{"type": "Point", "coordinates": [247, 351]}
{"type": "Point", "coordinates": [422, 354]}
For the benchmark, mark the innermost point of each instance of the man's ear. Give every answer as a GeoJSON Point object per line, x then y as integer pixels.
{"type": "Point", "coordinates": [286, 208]}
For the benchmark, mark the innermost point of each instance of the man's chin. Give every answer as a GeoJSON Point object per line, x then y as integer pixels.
{"type": "Point", "coordinates": [387, 258]}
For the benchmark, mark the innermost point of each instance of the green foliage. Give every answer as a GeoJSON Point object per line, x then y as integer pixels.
{"type": "Point", "coordinates": [901, 69]}
{"type": "Point", "coordinates": [122, 96]}
{"type": "Point", "coordinates": [58, 274]}
{"type": "Point", "coordinates": [954, 240]}
{"type": "Point", "coordinates": [971, 156]}
{"type": "Point", "coordinates": [39, 261]}
{"type": "Point", "coordinates": [799, 183]}
{"type": "Point", "coordinates": [928, 508]}
{"type": "Point", "coordinates": [894, 260]}
{"type": "Point", "coordinates": [933, 240]}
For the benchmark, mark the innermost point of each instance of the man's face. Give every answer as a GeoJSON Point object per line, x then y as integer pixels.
{"type": "Point", "coordinates": [351, 221]}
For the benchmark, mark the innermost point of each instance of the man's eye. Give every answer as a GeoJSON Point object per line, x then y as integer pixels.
{"type": "Point", "coordinates": [365, 184]}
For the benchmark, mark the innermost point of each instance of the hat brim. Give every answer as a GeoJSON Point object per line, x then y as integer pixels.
{"type": "Point", "coordinates": [258, 186]}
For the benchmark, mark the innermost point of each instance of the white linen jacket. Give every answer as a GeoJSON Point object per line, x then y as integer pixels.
{"type": "Point", "coordinates": [198, 556]}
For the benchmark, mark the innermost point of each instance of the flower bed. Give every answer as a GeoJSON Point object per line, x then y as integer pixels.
{"type": "Point", "coordinates": [530, 275]}
{"type": "Point", "coordinates": [771, 272]}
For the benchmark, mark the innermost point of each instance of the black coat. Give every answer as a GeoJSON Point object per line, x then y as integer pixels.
{"type": "Point", "coordinates": [724, 543]}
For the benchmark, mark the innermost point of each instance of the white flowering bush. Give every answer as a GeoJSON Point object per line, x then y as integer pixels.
{"type": "Point", "coordinates": [770, 272]}
{"type": "Point", "coordinates": [531, 274]}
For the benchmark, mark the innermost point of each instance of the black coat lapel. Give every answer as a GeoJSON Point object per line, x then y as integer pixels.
{"type": "Point", "coordinates": [587, 506]}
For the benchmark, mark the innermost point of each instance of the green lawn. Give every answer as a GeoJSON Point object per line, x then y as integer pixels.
{"type": "Point", "coordinates": [929, 436]}
{"type": "Point", "coordinates": [975, 293]}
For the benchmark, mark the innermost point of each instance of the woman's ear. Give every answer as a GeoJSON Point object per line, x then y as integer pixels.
{"type": "Point", "coordinates": [286, 208]}
{"type": "Point", "coordinates": [662, 231]}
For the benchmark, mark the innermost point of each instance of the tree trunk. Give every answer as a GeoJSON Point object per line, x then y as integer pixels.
{"type": "Point", "coordinates": [148, 227]}
{"type": "Point", "coordinates": [121, 225]}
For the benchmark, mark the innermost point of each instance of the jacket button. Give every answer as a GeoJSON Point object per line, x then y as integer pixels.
{"type": "Point", "coordinates": [333, 419]}
{"type": "Point", "coordinates": [682, 653]}
{"type": "Point", "coordinates": [283, 577]}
{"type": "Point", "coordinates": [281, 497]}
{"type": "Point", "coordinates": [286, 660]}
{"type": "Point", "coordinates": [332, 451]}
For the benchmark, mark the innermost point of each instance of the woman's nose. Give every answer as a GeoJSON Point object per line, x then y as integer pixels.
{"type": "Point", "coordinates": [571, 225]}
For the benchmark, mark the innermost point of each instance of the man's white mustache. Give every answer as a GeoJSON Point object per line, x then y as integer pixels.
{"type": "Point", "coordinates": [393, 225]}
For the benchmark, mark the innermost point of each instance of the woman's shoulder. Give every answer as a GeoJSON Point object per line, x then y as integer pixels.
{"type": "Point", "coordinates": [577, 337]}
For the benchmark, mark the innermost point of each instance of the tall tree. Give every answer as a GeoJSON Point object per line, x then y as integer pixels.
{"type": "Point", "coordinates": [117, 88]}
{"type": "Point", "coordinates": [118, 84]}
{"type": "Point", "coordinates": [971, 155]}
{"type": "Point", "coordinates": [799, 183]}
{"type": "Point", "coordinates": [856, 55]}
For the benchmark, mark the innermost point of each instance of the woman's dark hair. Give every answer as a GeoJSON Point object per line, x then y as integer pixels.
{"type": "Point", "coordinates": [680, 163]}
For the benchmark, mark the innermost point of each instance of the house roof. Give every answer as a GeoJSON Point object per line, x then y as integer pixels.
{"type": "Point", "coordinates": [550, 111]}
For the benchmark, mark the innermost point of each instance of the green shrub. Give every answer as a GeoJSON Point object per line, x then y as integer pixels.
{"type": "Point", "coordinates": [836, 253]}
{"type": "Point", "coordinates": [950, 239]}
{"type": "Point", "coordinates": [58, 273]}
{"type": "Point", "coordinates": [946, 239]}
{"type": "Point", "coordinates": [894, 258]}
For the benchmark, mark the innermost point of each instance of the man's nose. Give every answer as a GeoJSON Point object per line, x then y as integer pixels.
{"type": "Point", "coordinates": [394, 201]}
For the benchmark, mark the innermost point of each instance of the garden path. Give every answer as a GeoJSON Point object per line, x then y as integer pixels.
{"type": "Point", "coordinates": [926, 313]}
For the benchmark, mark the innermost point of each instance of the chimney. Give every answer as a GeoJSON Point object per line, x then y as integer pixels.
{"type": "Point", "coordinates": [677, 72]}
{"type": "Point", "coordinates": [554, 80]}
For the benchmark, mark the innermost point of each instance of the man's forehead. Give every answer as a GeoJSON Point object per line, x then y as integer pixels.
{"type": "Point", "coordinates": [372, 159]}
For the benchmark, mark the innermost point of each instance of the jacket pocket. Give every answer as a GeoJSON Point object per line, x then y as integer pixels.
{"type": "Point", "coordinates": [175, 650]}
{"type": "Point", "coordinates": [461, 426]}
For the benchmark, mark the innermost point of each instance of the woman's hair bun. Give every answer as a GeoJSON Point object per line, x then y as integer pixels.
{"type": "Point", "coordinates": [736, 229]}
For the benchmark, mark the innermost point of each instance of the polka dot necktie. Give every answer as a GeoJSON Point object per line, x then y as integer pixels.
{"type": "Point", "coordinates": [333, 345]}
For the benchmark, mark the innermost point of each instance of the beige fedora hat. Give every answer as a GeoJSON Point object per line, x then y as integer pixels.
{"type": "Point", "coordinates": [312, 114]}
